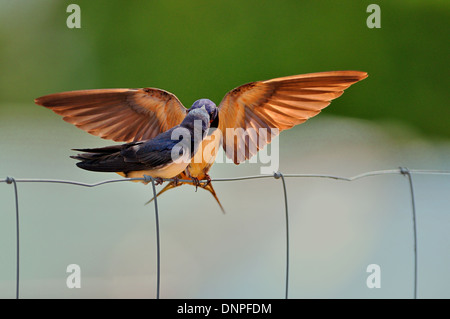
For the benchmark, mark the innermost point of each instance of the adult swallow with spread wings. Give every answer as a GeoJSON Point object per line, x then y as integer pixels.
{"type": "Point", "coordinates": [132, 115]}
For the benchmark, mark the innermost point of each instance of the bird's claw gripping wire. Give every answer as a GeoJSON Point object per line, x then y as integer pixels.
{"type": "Point", "coordinates": [176, 181]}
{"type": "Point", "coordinates": [196, 182]}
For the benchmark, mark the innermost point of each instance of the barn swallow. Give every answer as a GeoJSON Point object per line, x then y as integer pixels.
{"type": "Point", "coordinates": [160, 157]}
{"type": "Point", "coordinates": [132, 115]}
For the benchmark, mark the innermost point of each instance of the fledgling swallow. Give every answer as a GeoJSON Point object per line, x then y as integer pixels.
{"type": "Point", "coordinates": [159, 157]}
{"type": "Point", "coordinates": [131, 115]}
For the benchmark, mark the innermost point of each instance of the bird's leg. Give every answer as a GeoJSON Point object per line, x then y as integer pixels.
{"type": "Point", "coordinates": [208, 180]}
{"type": "Point", "coordinates": [175, 180]}
{"type": "Point", "coordinates": [195, 182]}
{"type": "Point", "coordinates": [159, 181]}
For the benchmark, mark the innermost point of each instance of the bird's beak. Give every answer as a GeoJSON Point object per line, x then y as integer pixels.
{"type": "Point", "coordinates": [214, 122]}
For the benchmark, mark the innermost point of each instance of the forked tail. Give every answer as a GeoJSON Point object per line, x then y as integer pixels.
{"type": "Point", "coordinates": [207, 187]}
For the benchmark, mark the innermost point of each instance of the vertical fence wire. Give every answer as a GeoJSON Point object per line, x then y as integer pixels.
{"type": "Point", "coordinates": [407, 172]}
{"type": "Point", "coordinates": [11, 180]}
{"type": "Point", "coordinates": [158, 251]}
{"type": "Point", "coordinates": [277, 176]}
{"type": "Point", "coordinates": [402, 170]}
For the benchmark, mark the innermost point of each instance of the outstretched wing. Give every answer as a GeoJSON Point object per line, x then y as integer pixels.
{"type": "Point", "coordinates": [122, 115]}
{"type": "Point", "coordinates": [276, 105]}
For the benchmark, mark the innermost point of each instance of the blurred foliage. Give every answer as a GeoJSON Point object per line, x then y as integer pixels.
{"type": "Point", "coordinates": [199, 49]}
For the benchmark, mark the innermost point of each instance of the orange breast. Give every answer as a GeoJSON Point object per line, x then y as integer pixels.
{"type": "Point", "coordinates": [205, 156]}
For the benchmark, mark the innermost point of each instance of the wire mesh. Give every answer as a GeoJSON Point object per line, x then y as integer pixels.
{"type": "Point", "coordinates": [278, 175]}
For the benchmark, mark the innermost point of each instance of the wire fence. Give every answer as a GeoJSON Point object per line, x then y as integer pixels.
{"type": "Point", "coordinates": [278, 175]}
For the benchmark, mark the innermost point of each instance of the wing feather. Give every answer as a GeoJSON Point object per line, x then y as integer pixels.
{"type": "Point", "coordinates": [122, 115]}
{"type": "Point", "coordinates": [276, 105]}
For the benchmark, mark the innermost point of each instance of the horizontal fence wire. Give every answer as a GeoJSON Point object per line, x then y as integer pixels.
{"type": "Point", "coordinates": [401, 171]}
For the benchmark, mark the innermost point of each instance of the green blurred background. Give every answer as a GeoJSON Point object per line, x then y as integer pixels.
{"type": "Point", "coordinates": [398, 116]}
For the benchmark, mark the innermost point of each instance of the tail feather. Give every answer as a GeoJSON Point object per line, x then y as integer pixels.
{"type": "Point", "coordinates": [207, 187]}
{"type": "Point", "coordinates": [108, 159]}
{"type": "Point", "coordinates": [104, 150]}
{"type": "Point", "coordinates": [210, 189]}
{"type": "Point", "coordinates": [168, 186]}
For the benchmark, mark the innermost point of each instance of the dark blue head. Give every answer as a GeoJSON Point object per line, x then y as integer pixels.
{"type": "Point", "coordinates": [210, 107]}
